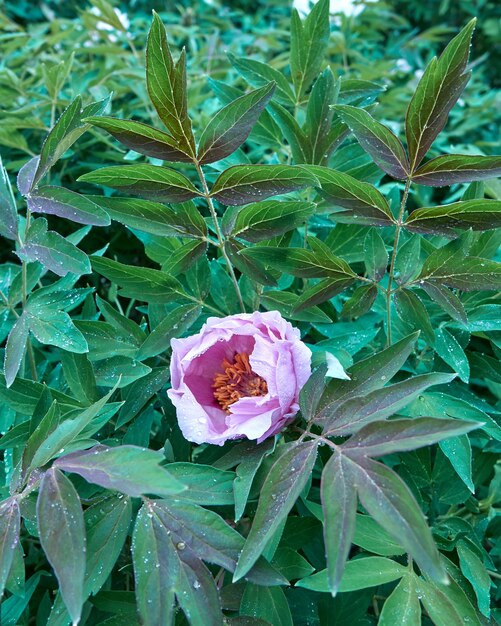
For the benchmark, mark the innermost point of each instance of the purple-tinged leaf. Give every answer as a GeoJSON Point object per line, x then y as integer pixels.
{"type": "Point", "coordinates": [284, 483]}
{"type": "Point", "coordinates": [67, 204]}
{"type": "Point", "coordinates": [377, 140]}
{"type": "Point", "coordinates": [52, 250]}
{"type": "Point", "coordinates": [318, 125]}
{"type": "Point", "coordinates": [8, 212]}
{"type": "Point", "coordinates": [339, 506]}
{"type": "Point", "coordinates": [151, 181]}
{"type": "Point", "coordinates": [10, 521]}
{"type": "Point", "coordinates": [62, 535]}
{"type": "Point", "coordinates": [437, 92]}
{"type": "Point", "coordinates": [242, 184]}
{"type": "Point", "coordinates": [166, 85]}
{"type": "Point", "coordinates": [390, 502]}
{"type": "Point", "coordinates": [366, 376]}
{"type": "Point", "coordinates": [364, 204]}
{"type": "Point", "coordinates": [321, 292]}
{"type": "Point", "coordinates": [26, 175]}
{"type": "Point", "coordinates": [379, 404]}
{"type": "Point", "coordinates": [231, 126]}
{"type": "Point", "coordinates": [400, 435]}
{"type": "Point", "coordinates": [312, 392]}
{"type": "Point", "coordinates": [15, 348]}
{"type": "Point", "coordinates": [441, 220]}
{"type": "Point", "coordinates": [128, 469]}
{"type": "Point", "coordinates": [142, 138]}
{"type": "Point", "coordinates": [450, 169]}
{"type": "Point", "coordinates": [447, 604]}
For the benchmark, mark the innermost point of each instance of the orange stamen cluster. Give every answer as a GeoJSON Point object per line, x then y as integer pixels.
{"type": "Point", "coordinates": [237, 381]}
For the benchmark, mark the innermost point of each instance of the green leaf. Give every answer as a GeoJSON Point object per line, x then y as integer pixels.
{"type": "Point", "coordinates": [152, 217]}
{"type": "Point", "coordinates": [285, 481]}
{"type": "Point", "coordinates": [467, 273]}
{"type": "Point", "coordinates": [370, 571]}
{"type": "Point", "coordinates": [309, 41]}
{"type": "Point", "coordinates": [377, 140]}
{"type": "Point", "coordinates": [372, 537]}
{"type": "Point", "coordinates": [366, 376]}
{"type": "Point", "coordinates": [339, 506]}
{"type": "Point", "coordinates": [241, 184]}
{"type": "Point", "coordinates": [360, 301]}
{"type": "Point", "coordinates": [376, 256]}
{"type": "Point", "coordinates": [152, 181]}
{"type": "Point", "coordinates": [390, 502]}
{"type": "Point", "coordinates": [62, 535]}
{"type": "Point", "coordinates": [231, 126]}
{"type": "Point", "coordinates": [143, 283]}
{"type": "Point", "coordinates": [458, 451]}
{"type": "Point", "coordinates": [166, 84]}
{"type": "Point", "coordinates": [446, 299]}
{"type": "Point", "coordinates": [412, 311]}
{"type": "Point", "coordinates": [301, 262]}
{"type": "Point", "coordinates": [175, 323]}
{"type": "Point", "coordinates": [399, 435]}
{"type": "Point", "coordinates": [267, 603]}
{"type": "Point", "coordinates": [8, 212]}
{"type": "Point", "coordinates": [377, 405]}
{"type": "Point", "coordinates": [264, 220]}
{"type": "Point", "coordinates": [441, 220]}
{"type": "Point", "coordinates": [447, 605]}
{"type": "Point", "coordinates": [10, 521]}
{"type": "Point", "coordinates": [143, 138]}
{"type": "Point", "coordinates": [56, 328]}
{"type": "Point", "coordinates": [319, 115]}
{"type": "Point", "coordinates": [321, 292]}
{"type": "Point", "coordinates": [437, 92]}
{"type": "Point", "coordinates": [285, 302]}
{"type": "Point", "coordinates": [296, 138]}
{"type": "Point", "coordinates": [205, 484]}
{"type": "Point", "coordinates": [15, 348]}
{"type": "Point", "coordinates": [67, 204]}
{"type": "Point", "coordinates": [475, 571]}
{"type": "Point", "coordinates": [364, 204]}
{"type": "Point", "coordinates": [450, 169]}
{"type": "Point", "coordinates": [129, 469]}
{"type": "Point", "coordinates": [448, 349]}
{"type": "Point", "coordinates": [259, 74]}
{"type": "Point", "coordinates": [402, 605]}
{"type": "Point", "coordinates": [52, 250]}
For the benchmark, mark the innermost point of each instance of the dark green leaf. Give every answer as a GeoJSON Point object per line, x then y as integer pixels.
{"type": "Point", "coordinates": [364, 203]}
{"type": "Point", "coordinates": [437, 92]}
{"type": "Point", "coordinates": [309, 40]}
{"type": "Point", "coordinates": [267, 603]}
{"type": "Point", "coordinates": [264, 220]}
{"type": "Point", "coordinates": [467, 273]}
{"type": "Point", "coordinates": [441, 220]}
{"type": "Point", "coordinates": [175, 323]}
{"type": "Point", "coordinates": [8, 212]}
{"type": "Point", "coordinates": [246, 183]}
{"type": "Point", "coordinates": [15, 349]}
{"type": "Point", "coordinates": [360, 301]}
{"type": "Point", "coordinates": [446, 299]}
{"type": "Point", "coordinates": [152, 181]}
{"type": "Point", "coordinates": [376, 256]}
{"type": "Point", "coordinates": [448, 348]}
{"type": "Point", "coordinates": [475, 571]}
{"type": "Point", "coordinates": [143, 138]}
{"type": "Point", "coordinates": [450, 169]}
{"type": "Point", "coordinates": [412, 311]}
{"type": "Point", "coordinates": [231, 126]}
{"type": "Point", "coordinates": [259, 74]}
{"type": "Point", "coordinates": [377, 140]}
{"type": "Point", "coordinates": [319, 116]}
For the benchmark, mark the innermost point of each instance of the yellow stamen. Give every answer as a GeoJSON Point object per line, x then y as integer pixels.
{"type": "Point", "coordinates": [237, 381]}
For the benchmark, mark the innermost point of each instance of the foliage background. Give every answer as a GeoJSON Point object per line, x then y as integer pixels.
{"type": "Point", "coordinates": [49, 53]}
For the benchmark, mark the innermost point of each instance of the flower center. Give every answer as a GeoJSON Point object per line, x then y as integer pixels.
{"type": "Point", "coordinates": [237, 381]}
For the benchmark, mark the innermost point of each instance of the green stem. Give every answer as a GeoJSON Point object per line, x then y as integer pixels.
{"type": "Point", "coordinates": [220, 236]}
{"type": "Point", "coordinates": [398, 228]}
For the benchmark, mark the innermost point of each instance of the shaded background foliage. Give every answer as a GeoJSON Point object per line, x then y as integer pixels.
{"type": "Point", "coordinates": [388, 44]}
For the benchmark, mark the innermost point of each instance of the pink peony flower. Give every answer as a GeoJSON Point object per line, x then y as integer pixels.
{"type": "Point", "coordinates": [240, 376]}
